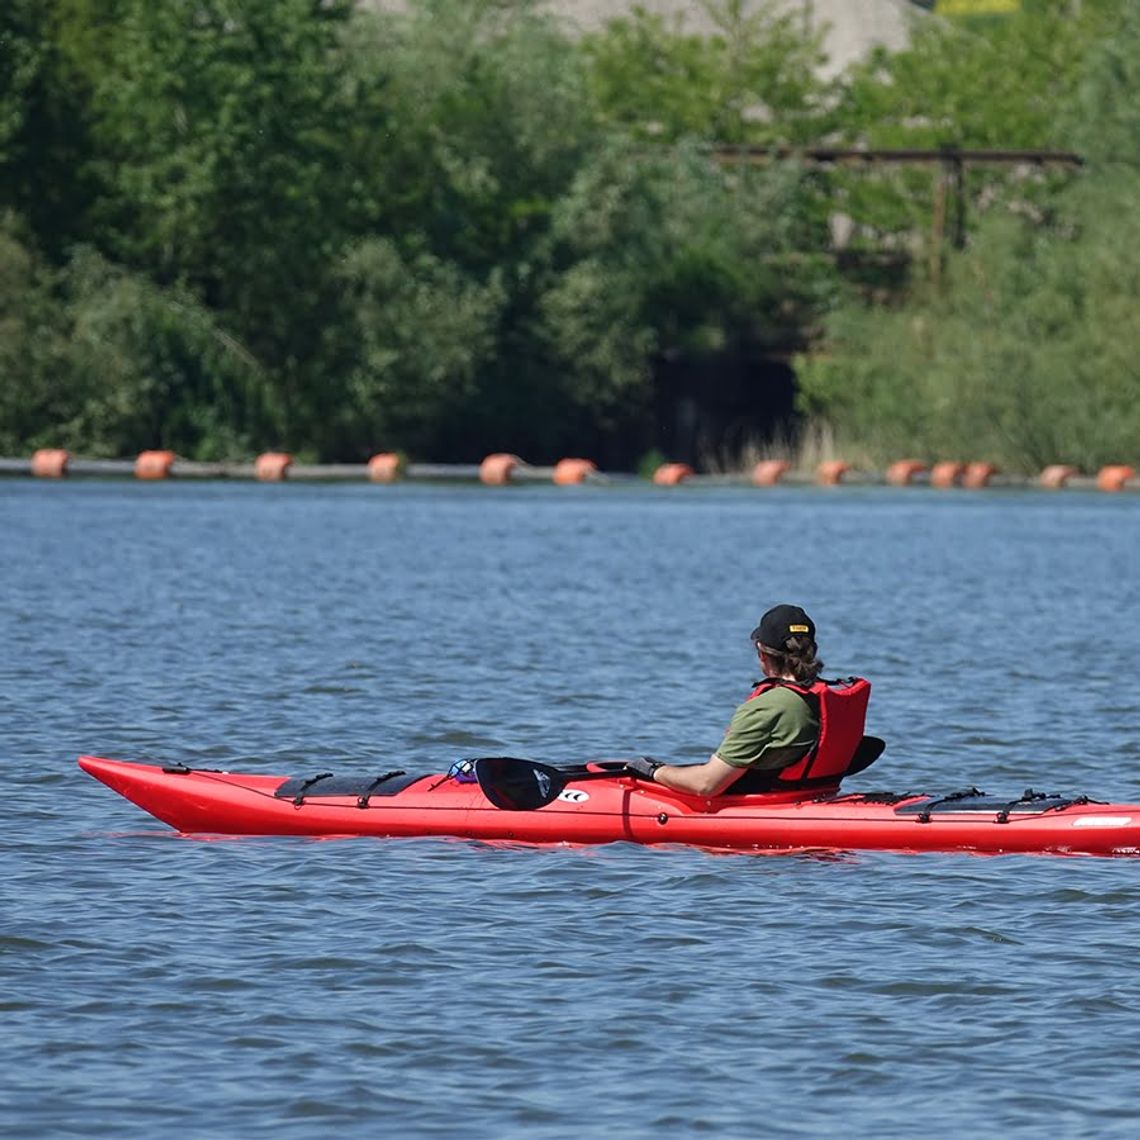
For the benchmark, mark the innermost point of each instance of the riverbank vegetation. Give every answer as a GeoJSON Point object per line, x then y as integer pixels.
{"type": "Point", "coordinates": [229, 225]}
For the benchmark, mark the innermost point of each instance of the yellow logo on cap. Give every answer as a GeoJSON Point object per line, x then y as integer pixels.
{"type": "Point", "coordinates": [798, 629]}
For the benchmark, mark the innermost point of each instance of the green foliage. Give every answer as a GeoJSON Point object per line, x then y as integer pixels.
{"type": "Point", "coordinates": [451, 227]}
{"type": "Point", "coordinates": [1001, 83]}
{"type": "Point", "coordinates": [21, 40]}
{"type": "Point", "coordinates": [1001, 86]}
{"type": "Point", "coordinates": [216, 146]}
{"type": "Point", "coordinates": [489, 121]}
{"type": "Point", "coordinates": [1103, 119]}
{"type": "Point", "coordinates": [649, 462]}
{"type": "Point", "coordinates": [152, 368]}
{"type": "Point", "coordinates": [1028, 357]}
{"type": "Point", "coordinates": [754, 80]}
{"type": "Point", "coordinates": [424, 329]}
{"type": "Point", "coordinates": [216, 132]}
{"type": "Point", "coordinates": [668, 256]}
{"type": "Point", "coordinates": [33, 345]}
{"type": "Point", "coordinates": [44, 142]}
{"type": "Point", "coordinates": [104, 362]}
{"type": "Point", "coordinates": [1028, 354]}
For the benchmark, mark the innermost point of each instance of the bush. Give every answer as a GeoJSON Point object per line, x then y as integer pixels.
{"type": "Point", "coordinates": [1026, 357]}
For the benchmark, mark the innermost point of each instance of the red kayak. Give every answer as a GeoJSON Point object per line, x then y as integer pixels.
{"type": "Point", "coordinates": [503, 798]}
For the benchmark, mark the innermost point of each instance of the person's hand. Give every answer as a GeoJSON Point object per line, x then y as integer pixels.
{"type": "Point", "coordinates": [644, 766]}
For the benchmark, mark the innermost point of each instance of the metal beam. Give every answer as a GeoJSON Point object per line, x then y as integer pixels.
{"type": "Point", "coordinates": [897, 156]}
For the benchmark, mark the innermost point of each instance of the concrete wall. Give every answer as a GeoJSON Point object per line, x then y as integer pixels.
{"type": "Point", "coordinates": [852, 27]}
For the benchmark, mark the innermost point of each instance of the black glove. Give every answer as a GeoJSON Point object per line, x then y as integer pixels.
{"type": "Point", "coordinates": [643, 766]}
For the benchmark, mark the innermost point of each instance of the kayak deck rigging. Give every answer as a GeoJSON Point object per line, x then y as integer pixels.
{"type": "Point", "coordinates": [923, 806]}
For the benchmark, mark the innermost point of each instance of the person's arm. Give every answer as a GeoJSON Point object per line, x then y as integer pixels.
{"type": "Point", "coordinates": [707, 779]}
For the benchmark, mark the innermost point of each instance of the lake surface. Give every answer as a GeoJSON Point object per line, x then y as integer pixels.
{"type": "Point", "coordinates": [152, 984]}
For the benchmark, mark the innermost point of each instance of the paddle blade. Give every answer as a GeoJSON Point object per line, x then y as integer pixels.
{"type": "Point", "coordinates": [869, 750]}
{"type": "Point", "coordinates": [513, 784]}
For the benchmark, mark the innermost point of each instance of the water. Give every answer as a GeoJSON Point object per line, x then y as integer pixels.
{"type": "Point", "coordinates": [302, 989]}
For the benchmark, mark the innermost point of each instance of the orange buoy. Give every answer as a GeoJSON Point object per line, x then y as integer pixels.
{"type": "Point", "coordinates": [978, 475]}
{"type": "Point", "coordinates": [831, 471]}
{"type": "Point", "coordinates": [50, 463]}
{"type": "Point", "coordinates": [272, 466]}
{"type": "Point", "coordinates": [1056, 475]}
{"type": "Point", "coordinates": [385, 467]}
{"type": "Point", "coordinates": [568, 471]}
{"type": "Point", "coordinates": [1113, 477]}
{"type": "Point", "coordinates": [768, 472]}
{"type": "Point", "coordinates": [903, 471]}
{"type": "Point", "coordinates": [670, 474]}
{"type": "Point", "coordinates": [946, 474]}
{"type": "Point", "coordinates": [154, 464]}
{"type": "Point", "coordinates": [497, 469]}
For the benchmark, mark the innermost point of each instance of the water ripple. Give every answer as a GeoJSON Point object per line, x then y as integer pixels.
{"type": "Point", "coordinates": [301, 988]}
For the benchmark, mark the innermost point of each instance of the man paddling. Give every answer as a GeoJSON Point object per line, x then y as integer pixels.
{"type": "Point", "coordinates": [793, 731]}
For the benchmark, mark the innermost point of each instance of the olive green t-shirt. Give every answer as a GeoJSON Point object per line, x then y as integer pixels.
{"type": "Point", "coordinates": [770, 731]}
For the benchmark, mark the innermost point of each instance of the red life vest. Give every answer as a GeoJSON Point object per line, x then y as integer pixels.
{"type": "Point", "coordinates": [842, 717]}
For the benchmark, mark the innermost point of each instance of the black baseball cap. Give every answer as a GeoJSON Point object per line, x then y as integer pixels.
{"type": "Point", "coordinates": [780, 623]}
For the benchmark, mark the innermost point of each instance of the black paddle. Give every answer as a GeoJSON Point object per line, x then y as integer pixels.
{"type": "Point", "coordinates": [869, 750]}
{"type": "Point", "coordinates": [514, 784]}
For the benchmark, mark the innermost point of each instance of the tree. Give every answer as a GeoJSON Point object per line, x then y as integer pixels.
{"type": "Point", "coordinates": [490, 119]}
{"type": "Point", "coordinates": [1029, 354]}
{"type": "Point", "coordinates": [425, 331]}
{"type": "Point", "coordinates": [1001, 82]}
{"type": "Point", "coordinates": [45, 148]}
{"type": "Point", "coordinates": [217, 127]}
{"type": "Point", "coordinates": [667, 256]}
{"type": "Point", "coordinates": [34, 377]}
{"type": "Point", "coordinates": [752, 81]}
{"type": "Point", "coordinates": [1103, 118]}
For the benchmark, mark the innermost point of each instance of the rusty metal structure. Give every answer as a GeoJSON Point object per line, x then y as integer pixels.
{"type": "Point", "coordinates": [950, 163]}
